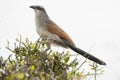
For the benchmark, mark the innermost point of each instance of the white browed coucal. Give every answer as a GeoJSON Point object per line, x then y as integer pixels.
{"type": "Point", "coordinates": [47, 29]}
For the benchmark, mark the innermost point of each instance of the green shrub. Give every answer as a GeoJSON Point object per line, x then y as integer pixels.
{"type": "Point", "coordinates": [34, 61]}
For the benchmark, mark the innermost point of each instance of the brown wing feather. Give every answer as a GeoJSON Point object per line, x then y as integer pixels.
{"type": "Point", "coordinates": [54, 29]}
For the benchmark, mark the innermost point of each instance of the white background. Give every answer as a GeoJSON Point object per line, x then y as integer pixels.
{"type": "Point", "coordinates": [94, 26]}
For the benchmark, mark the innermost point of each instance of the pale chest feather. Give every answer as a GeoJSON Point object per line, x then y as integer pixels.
{"type": "Point", "coordinates": [42, 30]}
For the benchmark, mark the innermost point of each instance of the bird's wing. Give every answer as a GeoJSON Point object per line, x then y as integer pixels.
{"type": "Point", "coordinates": [54, 29]}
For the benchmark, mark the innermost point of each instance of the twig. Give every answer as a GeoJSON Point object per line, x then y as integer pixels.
{"type": "Point", "coordinates": [95, 71]}
{"type": "Point", "coordinates": [20, 41]}
{"type": "Point", "coordinates": [82, 64]}
{"type": "Point", "coordinates": [8, 47]}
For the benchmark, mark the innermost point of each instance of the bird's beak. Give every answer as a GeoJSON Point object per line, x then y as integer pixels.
{"type": "Point", "coordinates": [33, 7]}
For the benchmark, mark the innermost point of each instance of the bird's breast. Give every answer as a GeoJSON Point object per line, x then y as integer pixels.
{"type": "Point", "coordinates": [43, 31]}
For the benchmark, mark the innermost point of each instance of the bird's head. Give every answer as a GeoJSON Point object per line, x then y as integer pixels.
{"type": "Point", "coordinates": [39, 10]}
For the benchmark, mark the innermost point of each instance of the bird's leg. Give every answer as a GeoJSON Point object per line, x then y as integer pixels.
{"type": "Point", "coordinates": [48, 47]}
{"type": "Point", "coordinates": [37, 45]}
{"type": "Point", "coordinates": [46, 42]}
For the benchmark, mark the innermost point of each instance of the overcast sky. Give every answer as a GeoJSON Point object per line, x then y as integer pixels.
{"type": "Point", "coordinates": [94, 26]}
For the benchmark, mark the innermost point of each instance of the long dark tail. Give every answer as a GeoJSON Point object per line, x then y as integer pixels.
{"type": "Point", "coordinates": [85, 54]}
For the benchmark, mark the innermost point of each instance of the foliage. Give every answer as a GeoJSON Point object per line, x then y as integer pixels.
{"type": "Point", "coordinates": [34, 61]}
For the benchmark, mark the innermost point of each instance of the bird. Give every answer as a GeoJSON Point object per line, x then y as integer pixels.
{"type": "Point", "coordinates": [50, 31]}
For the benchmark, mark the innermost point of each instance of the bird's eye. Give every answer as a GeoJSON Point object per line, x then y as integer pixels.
{"type": "Point", "coordinates": [42, 9]}
{"type": "Point", "coordinates": [37, 7]}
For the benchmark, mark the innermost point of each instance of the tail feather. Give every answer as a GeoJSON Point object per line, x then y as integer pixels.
{"type": "Point", "coordinates": [85, 54]}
